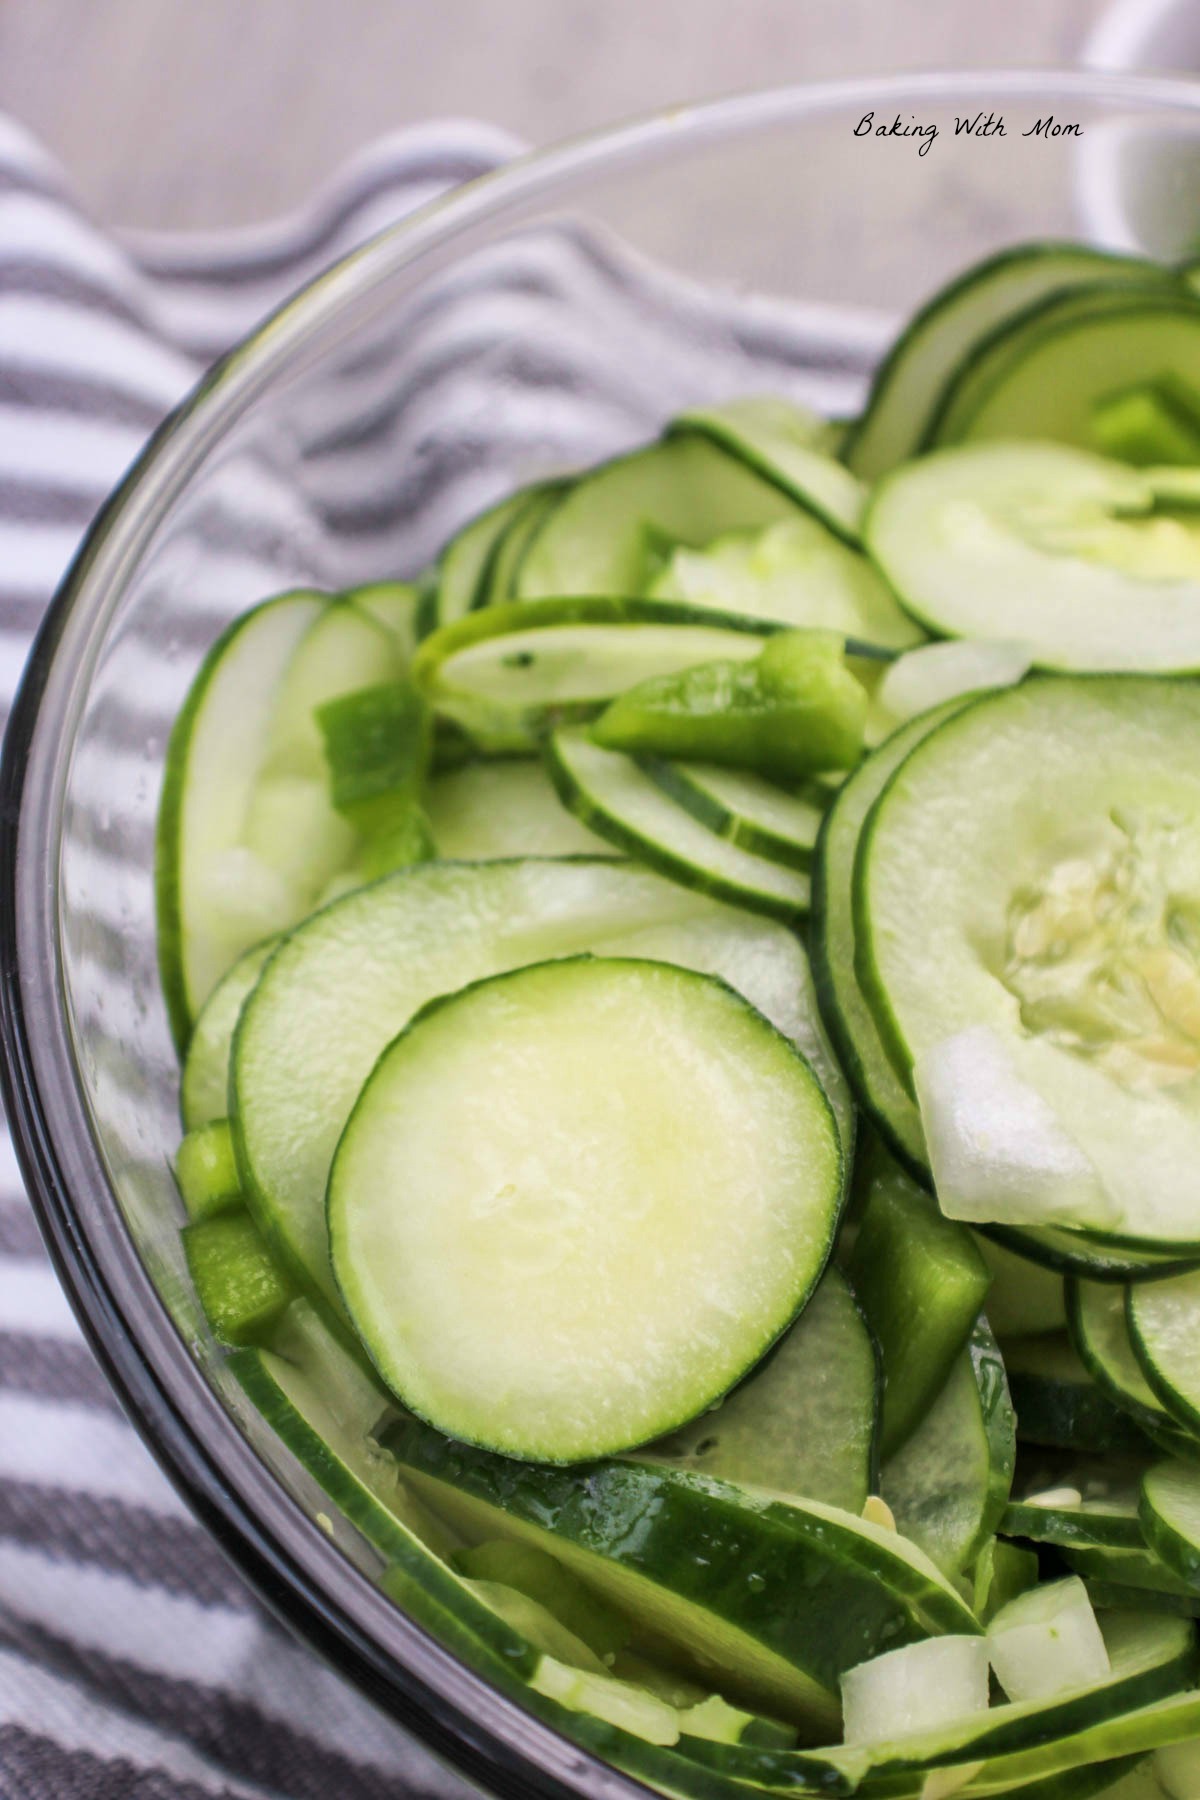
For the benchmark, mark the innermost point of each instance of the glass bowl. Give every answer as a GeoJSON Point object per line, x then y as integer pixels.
{"type": "Point", "coordinates": [547, 315]}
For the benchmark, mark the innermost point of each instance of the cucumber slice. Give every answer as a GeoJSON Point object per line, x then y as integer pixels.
{"type": "Point", "coordinates": [755, 814]}
{"type": "Point", "coordinates": [921, 1282]}
{"type": "Point", "coordinates": [775, 442]}
{"type": "Point", "coordinates": [397, 606]}
{"type": "Point", "coordinates": [1176, 1772]}
{"type": "Point", "coordinates": [1058, 1404]}
{"type": "Point", "coordinates": [615, 797]}
{"type": "Point", "coordinates": [1024, 1299]}
{"type": "Point", "coordinates": [239, 1287]}
{"type": "Point", "coordinates": [1100, 1333]}
{"type": "Point", "coordinates": [948, 1485]}
{"type": "Point", "coordinates": [507, 675]}
{"type": "Point", "coordinates": [1074, 1502]}
{"type": "Point", "coordinates": [599, 539]}
{"type": "Point", "coordinates": [848, 1018]}
{"type": "Point", "coordinates": [720, 1574]}
{"type": "Point", "coordinates": [1109, 1596]}
{"type": "Point", "coordinates": [337, 991]}
{"type": "Point", "coordinates": [958, 880]}
{"type": "Point", "coordinates": [204, 1091]}
{"type": "Point", "coordinates": [499, 578]}
{"type": "Point", "coordinates": [499, 809]}
{"type": "Point", "coordinates": [1043, 377]}
{"type": "Point", "coordinates": [929, 676]}
{"type": "Point", "coordinates": [919, 1688]}
{"type": "Point", "coordinates": [1132, 1708]}
{"type": "Point", "coordinates": [1053, 547]}
{"type": "Point", "coordinates": [216, 747]}
{"type": "Point", "coordinates": [1170, 1516]}
{"type": "Point", "coordinates": [1001, 1572]}
{"type": "Point", "coordinates": [206, 1170]}
{"type": "Point", "coordinates": [945, 334]}
{"type": "Point", "coordinates": [463, 565]}
{"type": "Point", "coordinates": [804, 1422]}
{"type": "Point", "coordinates": [1164, 1326]}
{"type": "Point", "coordinates": [1127, 1570]}
{"type": "Point", "coordinates": [543, 1578]}
{"type": "Point", "coordinates": [796, 573]}
{"type": "Point", "coordinates": [1048, 1642]}
{"type": "Point", "coordinates": [708, 1204]}
{"type": "Point", "coordinates": [1080, 1253]}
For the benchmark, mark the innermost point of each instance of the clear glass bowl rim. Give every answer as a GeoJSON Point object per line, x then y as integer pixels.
{"type": "Point", "coordinates": [274, 1544]}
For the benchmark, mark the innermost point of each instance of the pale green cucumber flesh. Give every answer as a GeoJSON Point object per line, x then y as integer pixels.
{"type": "Point", "coordinates": [755, 814]}
{"type": "Point", "coordinates": [463, 565]}
{"type": "Point", "coordinates": [954, 855]}
{"type": "Point", "coordinates": [941, 336]}
{"type": "Point", "coordinates": [1099, 1330]}
{"type": "Point", "coordinates": [204, 1088]}
{"type": "Point", "coordinates": [777, 445]}
{"type": "Point", "coordinates": [1164, 1327]}
{"type": "Point", "coordinates": [550, 1227]}
{"type": "Point", "coordinates": [612, 795]}
{"type": "Point", "coordinates": [949, 1483]}
{"type": "Point", "coordinates": [804, 1421]}
{"type": "Point", "coordinates": [337, 991]}
{"type": "Point", "coordinates": [500, 809]}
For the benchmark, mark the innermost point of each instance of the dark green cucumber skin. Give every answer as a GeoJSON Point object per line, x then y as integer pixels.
{"type": "Point", "coordinates": [696, 1537]}
{"type": "Point", "coordinates": [943, 299]}
{"type": "Point", "coordinates": [1148, 1574]}
{"type": "Point", "coordinates": [757, 839]}
{"type": "Point", "coordinates": [1093, 1260]}
{"type": "Point", "coordinates": [675, 868]}
{"type": "Point", "coordinates": [1159, 1429]}
{"type": "Point", "coordinates": [1181, 1554]}
{"type": "Point", "coordinates": [1057, 1413]}
{"type": "Point", "coordinates": [1113, 1596]}
{"type": "Point", "coordinates": [498, 578]}
{"type": "Point", "coordinates": [732, 441]}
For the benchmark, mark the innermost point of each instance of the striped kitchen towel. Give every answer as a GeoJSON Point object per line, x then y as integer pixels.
{"type": "Point", "coordinates": [133, 1661]}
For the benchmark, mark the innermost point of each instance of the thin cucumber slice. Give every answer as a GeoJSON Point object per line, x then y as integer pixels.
{"type": "Point", "coordinates": [1044, 378]}
{"type": "Point", "coordinates": [1100, 1333]}
{"type": "Point", "coordinates": [1151, 1658]}
{"type": "Point", "coordinates": [1024, 1299]}
{"type": "Point", "coordinates": [1052, 547]}
{"type": "Point", "coordinates": [216, 748]}
{"type": "Point", "coordinates": [1164, 1329]}
{"type": "Point", "coordinates": [533, 1199]}
{"type": "Point", "coordinates": [338, 990]}
{"type": "Point", "coordinates": [796, 573]}
{"type": "Point", "coordinates": [397, 606]}
{"type": "Point", "coordinates": [944, 334]}
{"type": "Point", "coordinates": [720, 1574]}
{"type": "Point", "coordinates": [1058, 1404]}
{"type": "Point", "coordinates": [804, 1422]}
{"type": "Point", "coordinates": [774, 441]}
{"type": "Point", "coordinates": [463, 565]}
{"type": "Point", "coordinates": [499, 577]}
{"type": "Point", "coordinates": [615, 797]}
{"type": "Point", "coordinates": [1072, 1501]}
{"type": "Point", "coordinates": [1110, 1596]}
{"type": "Point", "coordinates": [850, 1022]}
{"type": "Point", "coordinates": [921, 1282]}
{"type": "Point", "coordinates": [948, 1485]}
{"type": "Point", "coordinates": [507, 675]}
{"type": "Point", "coordinates": [1151, 423]}
{"type": "Point", "coordinates": [1170, 1516]}
{"type": "Point", "coordinates": [204, 1090]}
{"type": "Point", "coordinates": [929, 676]}
{"type": "Point", "coordinates": [1128, 1569]}
{"type": "Point", "coordinates": [600, 539]}
{"type": "Point", "coordinates": [958, 880]}
{"type": "Point", "coordinates": [755, 814]}
{"type": "Point", "coordinates": [1080, 1253]}
{"type": "Point", "coordinates": [499, 809]}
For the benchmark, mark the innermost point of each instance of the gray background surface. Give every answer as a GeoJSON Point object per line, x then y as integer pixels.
{"type": "Point", "coordinates": [184, 113]}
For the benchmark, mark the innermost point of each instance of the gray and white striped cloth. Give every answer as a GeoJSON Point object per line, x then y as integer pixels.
{"type": "Point", "coordinates": [133, 1661]}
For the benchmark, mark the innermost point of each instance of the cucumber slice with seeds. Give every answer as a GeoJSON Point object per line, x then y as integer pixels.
{"type": "Point", "coordinates": [752, 812]}
{"type": "Point", "coordinates": [707, 1204]}
{"type": "Point", "coordinates": [1064, 552]}
{"type": "Point", "coordinates": [804, 1422]}
{"type": "Point", "coordinates": [943, 336]}
{"type": "Point", "coordinates": [948, 1485]}
{"type": "Point", "coordinates": [614, 796]}
{"type": "Point", "coordinates": [341, 986]}
{"type": "Point", "coordinates": [686, 490]}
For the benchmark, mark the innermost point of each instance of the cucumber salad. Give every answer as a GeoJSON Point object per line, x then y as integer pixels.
{"type": "Point", "coordinates": [689, 1020]}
